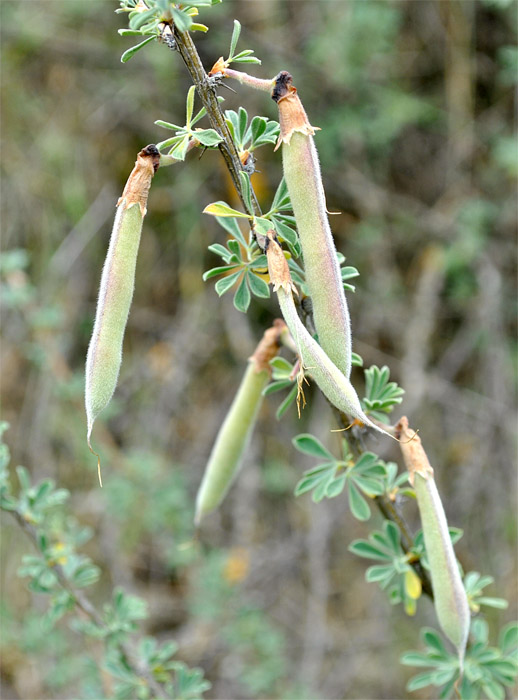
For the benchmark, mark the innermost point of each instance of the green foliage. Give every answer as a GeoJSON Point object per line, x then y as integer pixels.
{"type": "Point", "coordinates": [153, 18]}
{"type": "Point", "coordinates": [245, 56]}
{"type": "Point", "coordinates": [244, 266]}
{"type": "Point", "coordinates": [249, 136]}
{"type": "Point", "coordinates": [284, 377]}
{"type": "Point", "coordinates": [363, 478]}
{"type": "Point", "coordinates": [59, 571]}
{"type": "Point", "coordinates": [380, 395]}
{"type": "Point", "coordinates": [474, 583]}
{"type": "Point", "coordinates": [487, 670]}
{"type": "Point", "coordinates": [178, 144]}
{"type": "Point", "coordinates": [395, 573]}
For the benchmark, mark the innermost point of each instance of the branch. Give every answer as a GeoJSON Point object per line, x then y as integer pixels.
{"type": "Point", "coordinates": [205, 87]}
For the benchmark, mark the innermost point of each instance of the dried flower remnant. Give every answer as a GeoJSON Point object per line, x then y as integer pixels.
{"type": "Point", "coordinates": [116, 291]}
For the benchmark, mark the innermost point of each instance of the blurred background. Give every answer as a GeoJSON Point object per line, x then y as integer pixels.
{"type": "Point", "coordinates": [416, 102]}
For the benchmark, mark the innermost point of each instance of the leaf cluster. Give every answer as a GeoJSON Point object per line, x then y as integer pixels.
{"type": "Point", "coordinates": [59, 571]}
{"type": "Point", "coordinates": [179, 143]}
{"type": "Point", "coordinates": [363, 479]}
{"type": "Point", "coordinates": [153, 18]}
{"type": "Point", "coordinates": [487, 670]}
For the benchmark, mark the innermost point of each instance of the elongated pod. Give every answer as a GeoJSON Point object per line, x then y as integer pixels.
{"type": "Point", "coordinates": [234, 435]}
{"type": "Point", "coordinates": [333, 383]}
{"type": "Point", "coordinates": [304, 181]}
{"type": "Point", "coordinates": [116, 291]}
{"type": "Point", "coordinates": [451, 602]}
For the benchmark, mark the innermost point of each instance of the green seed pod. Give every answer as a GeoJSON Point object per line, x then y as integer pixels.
{"type": "Point", "coordinates": [451, 602]}
{"type": "Point", "coordinates": [304, 181]}
{"type": "Point", "coordinates": [335, 386]}
{"type": "Point", "coordinates": [236, 430]}
{"type": "Point", "coordinates": [116, 291]}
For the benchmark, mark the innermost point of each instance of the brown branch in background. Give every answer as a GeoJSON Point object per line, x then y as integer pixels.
{"type": "Point", "coordinates": [207, 93]}
{"type": "Point", "coordinates": [84, 604]}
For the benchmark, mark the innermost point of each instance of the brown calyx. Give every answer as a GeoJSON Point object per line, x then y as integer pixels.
{"type": "Point", "coordinates": [268, 346]}
{"type": "Point", "coordinates": [414, 456]}
{"type": "Point", "coordinates": [219, 67]}
{"type": "Point", "coordinates": [292, 116]}
{"type": "Point", "coordinates": [137, 187]}
{"type": "Point", "coordinates": [277, 264]}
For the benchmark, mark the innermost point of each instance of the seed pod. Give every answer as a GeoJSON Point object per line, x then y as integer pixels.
{"type": "Point", "coordinates": [335, 386]}
{"type": "Point", "coordinates": [116, 291]}
{"type": "Point", "coordinates": [304, 181]}
{"type": "Point", "coordinates": [451, 602]}
{"type": "Point", "coordinates": [236, 430]}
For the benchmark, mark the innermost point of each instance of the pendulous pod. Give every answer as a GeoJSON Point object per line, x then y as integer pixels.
{"type": "Point", "coordinates": [335, 386]}
{"type": "Point", "coordinates": [450, 599]}
{"type": "Point", "coordinates": [304, 181]}
{"type": "Point", "coordinates": [236, 430]}
{"type": "Point", "coordinates": [104, 356]}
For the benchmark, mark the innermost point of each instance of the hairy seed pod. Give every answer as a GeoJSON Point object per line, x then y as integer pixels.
{"type": "Point", "coordinates": [304, 181]}
{"type": "Point", "coordinates": [451, 602]}
{"type": "Point", "coordinates": [236, 430]}
{"type": "Point", "coordinates": [335, 386]}
{"type": "Point", "coordinates": [116, 291]}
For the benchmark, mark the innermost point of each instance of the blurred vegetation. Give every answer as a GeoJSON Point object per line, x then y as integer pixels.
{"type": "Point", "coordinates": [419, 154]}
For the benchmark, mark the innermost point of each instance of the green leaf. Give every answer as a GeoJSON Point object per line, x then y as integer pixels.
{"type": "Point", "coordinates": [357, 504]}
{"type": "Point", "coordinates": [509, 638]}
{"type": "Point", "coordinates": [140, 18]}
{"type": "Point", "coordinates": [208, 137]}
{"type": "Point", "coordinates": [499, 603]}
{"type": "Point", "coordinates": [180, 150]}
{"type": "Point", "coordinates": [168, 125]}
{"type": "Point", "coordinates": [129, 32]}
{"type": "Point", "coordinates": [244, 58]}
{"type": "Point", "coordinates": [420, 681]}
{"type": "Point", "coordinates": [182, 20]}
{"type": "Point", "coordinates": [365, 549]}
{"type": "Point", "coordinates": [379, 573]}
{"type": "Point", "coordinates": [258, 287]}
{"type": "Point", "coordinates": [274, 387]}
{"type": "Point", "coordinates": [235, 37]}
{"type": "Point", "coordinates": [231, 226]}
{"type": "Point", "coordinates": [247, 190]}
{"type": "Point", "coordinates": [223, 285]}
{"type": "Point", "coordinates": [287, 402]}
{"type": "Point", "coordinates": [217, 271]}
{"type": "Point", "coordinates": [222, 209]}
{"type": "Point", "coordinates": [134, 49]}
{"type": "Point", "coordinates": [336, 486]}
{"type": "Point", "coordinates": [308, 444]}
{"type": "Point", "coordinates": [242, 296]}
{"type": "Point", "coordinates": [243, 121]}
{"type": "Point", "coordinates": [415, 658]}
{"type": "Point", "coordinates": [281, 365]}
{"type": "Point", "coordinates": [189, 106]}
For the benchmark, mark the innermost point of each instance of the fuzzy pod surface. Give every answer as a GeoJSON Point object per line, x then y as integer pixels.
{"type": "Point", "coordinates": [104, 355]}
{"type": "Point", "coordinates": [450, 599]}
{"type": "Point", "coordinates": [234, 435]}
{"type": "Point", "coordinates": [333, 383]}
{"type": "Point", "coordinates": [304, 181]}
